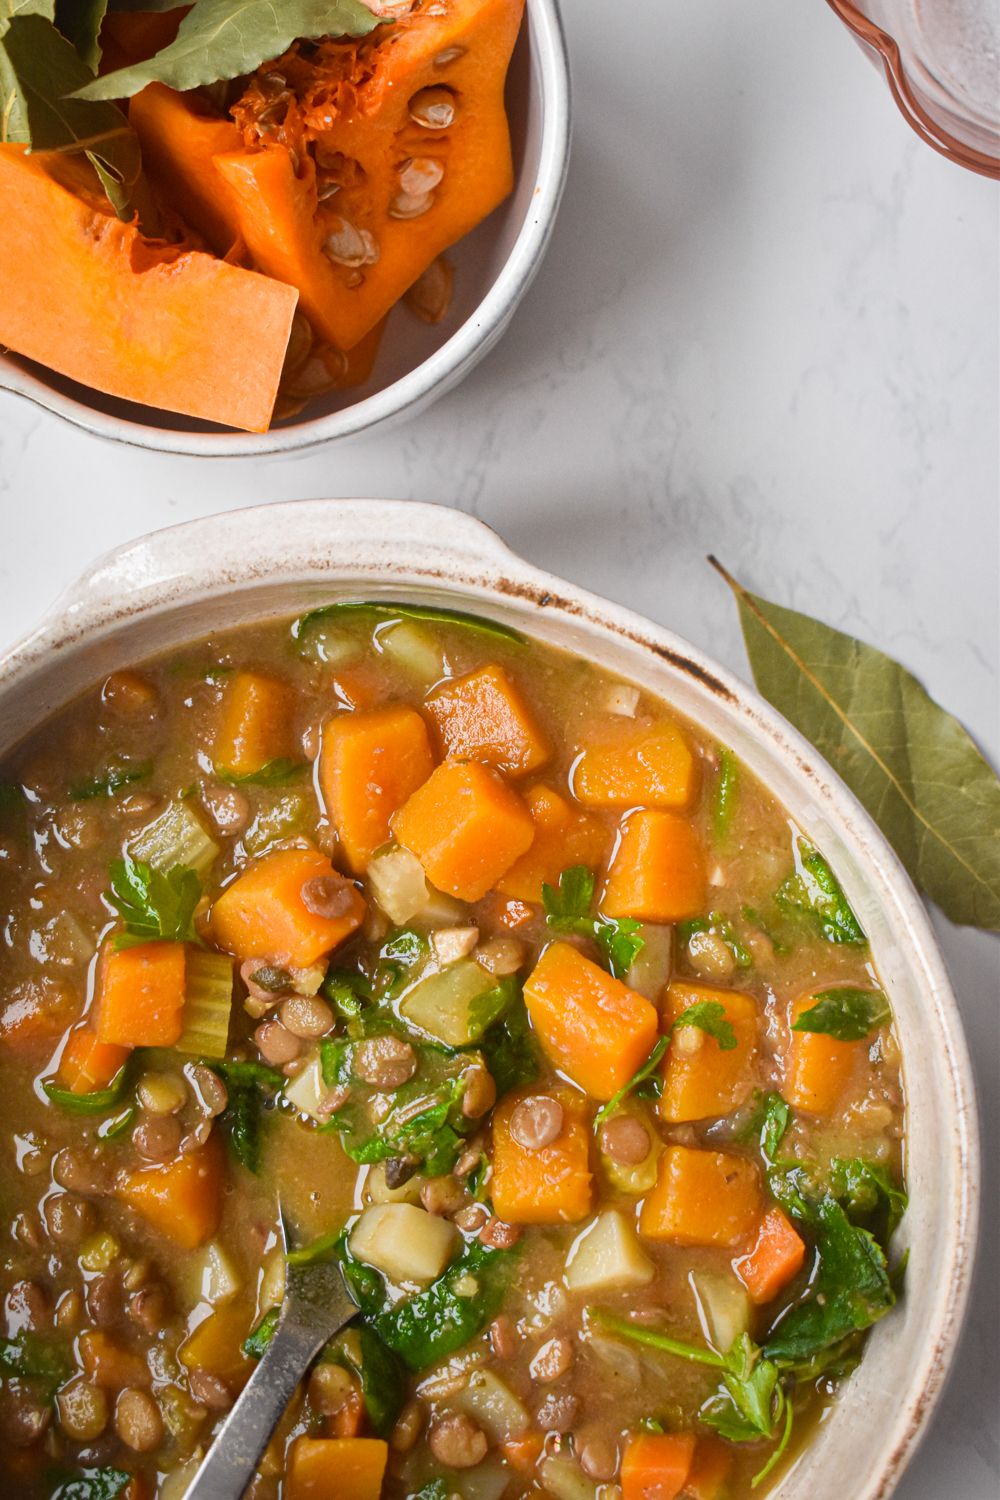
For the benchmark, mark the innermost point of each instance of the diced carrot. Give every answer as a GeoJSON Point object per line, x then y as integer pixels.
{"type": "Point", "coordinates": [108, 1365]}
{"type": "Point", "coordinates": [88, 1063]}
{"type": "Point", "coordinates": [369, 765]}
{"type": "Point", "coordinates": [350, 1468]}
{"type": "Point", "coordinates": [818, 1068]}
{"type": "Point", "coordinates": [255, 723]}
{"type": "Point", "coordinates": [483, 716]}
{"type": "Point", "coordinates": [702, 1198]}
{"type": "Point", "coordinates": [590, 1025]}
{"type": "Point", "coordinates": [181, 1198]}
{"type": "Point", "coordinates": [548, 1186]}
{"type": "Point", "coordinates": [347, 1420]}
{"type": "Point", "coordinates": [700, 1078]}
{"type": "Point", "coordinates": [466, 826]}
{"type": "Point", "coordinates": [523, 1453]}
{"type": "Point", "coordinates": [564, 835]}
{"type": "Point", "coordinates": [216, 1345]}
{"type": "Point", "coordinates": [37, 1010]}
{"type": "Point", "coordinates": [711, 1468]}
{"type": "Point", "coordinates": [140, 994]}
{"type": "Point", "coordinates": [652, 767]}
{"type": "Point", "coordinates": [658, 870]}
{"type": "Point", "coordinates": [263, 914]}
{"type": "Point", "coordinates": [776, 1257]}
{"type": "Point", "coordinates": [655, 1465]}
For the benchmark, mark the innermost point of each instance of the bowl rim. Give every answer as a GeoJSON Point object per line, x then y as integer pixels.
{"type": "Point", "coordinates": [431, 378]}
{"type": "Point", "coordinates": [390, 547]}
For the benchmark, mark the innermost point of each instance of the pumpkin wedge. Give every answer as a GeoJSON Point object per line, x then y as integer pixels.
{"type": "Point", "coordinates": [164, 325]}
{"type": "Point", "coordinates": [352, 164]}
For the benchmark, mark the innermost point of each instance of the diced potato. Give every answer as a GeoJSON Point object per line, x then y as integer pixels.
{"type": "Point", "coordinates": [414, 649]}
{"type": "Point", "coordinates": [650, 972]}
{"type": "Point", "coordinates": [447, 1004]}
{"type": "Point", "coordinates": [563, 1478]}
{"type": "Point", "coordinates": [405, 1242]}
{"type": "Point", "coordinates": [220, 1276]}
{"type": "Point", "coordinates": [398, 884]}
{"type": "Point", "coordinates": [608, 1256]}
{"type": "Point", "coordinates": [494, 1406]}
{"type": "Point", "coordinates": [376, 1189]}
{"type": "Point", "coordinates": [271, 1290]}
{"type": "Point", "coordinates": [723, 1308]}
{"type": "Point", "coordinates": [307, 1090]}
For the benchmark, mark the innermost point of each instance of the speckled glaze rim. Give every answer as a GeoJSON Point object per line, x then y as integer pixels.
{"type": "Point", "coordinates": [435, 375]}
{"type": "Point", "coordinates": [175, 585]}
{"type": "Point", "coordinates": [887, 50]}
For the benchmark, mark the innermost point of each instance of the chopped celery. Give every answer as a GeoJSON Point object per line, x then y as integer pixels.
{"type": "Point", "coordinates": [288, 816]}
{"type": "Point", "coordinates": [635, 1179]}
{"type": "Point", "coordinates": [208, 1002]}
{"type": "Point", "coordinates": [456, 1004]}
{"type": "Point", "coordinates": [177, 837]}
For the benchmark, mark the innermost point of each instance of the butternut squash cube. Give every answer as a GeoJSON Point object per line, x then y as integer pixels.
{"type": "Point", "coordinates": [371, 762]}
{"type": "Point", "coordinates": [658, 871]}
{"type": "Point", "coordinates": [466, 826]}
{"type": "Point", "coordinates": [551, 1185]}
{"type": "Point", "coordinates": [590, 1025]}
{"type": "Point", "coordinates": [263, 914]}
{"type": "Point", "coordinates": [651, 767]}
{"type": "Point", "coordinates": [182, 1198]}
{"type": "Point", "coordinates": [255, 725]}
{"type": "Point", "coordinates": [350, 1468]}
{"type": "Point", "coordinates": [565, 835]}
{"type": "Point", "coordinates": [702, 1198]}
{"type": "Point", "coordinates": [483, 716]}
{"type": "Point", "coordinates": [818, 1068]}
{"type": "Point", "coordinates": [701, 1080]}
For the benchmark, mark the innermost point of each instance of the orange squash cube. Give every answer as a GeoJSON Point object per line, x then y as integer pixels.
{"type": "Point", "coordinates": [702, 1198]}
{"type": "Point", "coordinates": [255, 724]}
{"type": "Point", "coordinates": [650, 767]}
{"type": "Point", "coordinates": [140, 994]}
{"type": "Point", "coordinates": [466, 826]}
{"type": "Point", "coordinates": [263, 913]}
{"type": "Point", "coordinates": [548, 1186]}
{"type": "Point", "coordinates": [700, 1079]}
{"type": "Point", "coordinates": [88, 1064]}
{"type": "Point", "coordinates": [108, 1365]}
{"type": "Point", "coordinates": [590, 1025]}
{"type": "Point", "coordinates": [658, 871]}
{"type": "Point", "coordinates": [564, 835]}
{"type": "Point", "coordinates": [182, 1198]}
{"type": "Point", "coordinates": [216, 1345]}
{"type": "Point", "coordinates": [483, 716]}
{"type": "Point", "coordinates": [818, 1068]}
{"type": "Point", "coordinates": [349, 1468]}
{"type": "Point", "coordinates": [370, 763]}
{"type": "Point", "coordinates": [776, 1257]}
{"type": "Point", "coordinates": [710, 1470]}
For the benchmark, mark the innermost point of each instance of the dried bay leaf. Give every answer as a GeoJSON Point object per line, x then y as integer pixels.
{"type": "Point", "coordinates": [223, 39]}
{"type": "Point", "coordinates": [912, 765]}
{"type": "Point", "coordinates": [80, 22]}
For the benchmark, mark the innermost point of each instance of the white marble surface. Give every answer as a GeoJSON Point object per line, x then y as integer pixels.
{"type": "Point", "coordinates": [767, 327]}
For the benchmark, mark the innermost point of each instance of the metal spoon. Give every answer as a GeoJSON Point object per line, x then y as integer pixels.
{"type": "Point", "coordinates": [315, 1307]}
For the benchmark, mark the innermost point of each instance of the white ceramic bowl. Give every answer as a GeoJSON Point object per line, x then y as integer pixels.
{"type": "Point", "coordinates": [176, 585]}
{"type": "Point", "coordinates": [494, 266]}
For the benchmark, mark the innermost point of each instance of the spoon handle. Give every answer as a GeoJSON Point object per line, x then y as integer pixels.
{"type": "Point", "coordinates": [232, 1460]}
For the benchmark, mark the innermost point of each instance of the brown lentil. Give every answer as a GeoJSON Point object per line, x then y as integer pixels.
{"type": "Point", "coordinates": [328, 896]}
{"type": "Point", "coordinates": [275, 1044]}
{"type": "Point", "coordinates": [69, 1219]}
{"type": "Point", "coordinates": [158, 1137]}
{"type": "Point", "coordinates": [138, 1421]}
{"type": "Point", "coordinates": [536, 1122]}
{"type": "Point", "coordinates": [456, 1441]}
{"type": "Point", "coordinates": [385, 1062]}
{"type": "Point", "coordinates": [551, 1361]}
{"type": "Point", "coordinates": [625, 1139]}
{"type": "Point", "coordinates": [83, 1410]}
{"type": "Point", "coordinates": [209, 1390]}
{"type": "Point", "coordinates": [498, 1235]}
{"type": "Point", "coordinates": [306, 1016]}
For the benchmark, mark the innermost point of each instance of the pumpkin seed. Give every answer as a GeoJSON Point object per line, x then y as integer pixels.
{"type": "Point", "coordinates": [434, 108]}
{"type": "Point", "coordinates": [326, 189]}
{"type": "Point", "coordinates": [409, 205]}
{"type": "Point", "coordinates": [420, 174]}
{"type": "Point", "coordinates": [449, 55]}
{"type": "Point", "coordinates": [430, 295]}
{"type": "Point", "coordinates": [345, 244]}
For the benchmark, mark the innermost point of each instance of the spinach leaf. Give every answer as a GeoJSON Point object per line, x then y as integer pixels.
{"type": "Point", "coordinates": [111, 780]}
{"type": "Point", "coordinates": [453, 1309]}
{"type": "Point", "coordinates": [347, 991]}
{"type": "Point", "coordinates": [98, 1101]}
{"type": "Point", "coordinates": [223, 39]}
{"type": "Point", "coordinates": [647, 1070]}
{"type": "Point", "coordinates": [403, 951]}
{"type": "Point", "coordinates": [154, 904]}
{"type": "Point", "coordinates": [814, 891]}
{"type": "Point", "coordinates": [272, 773]}
{"type": "Point", "coordinates": [716, 923]}
{"type": "Point", "coordinates": [769, 1124]}
{"type": "Point", "coordinates": [725, 795]}
{"type": "Point", "coordinates": [257, 1340]}
{"type": "Point", "coordinates": [364, 610]}
{"type": "Point", "coordinates": [250, 1085]}
{"type": "Point", "coordinates": [93, 1484]}
{"type": "Point", "coordinates": [709, 1016]}
{"type": "Point", "coordinates": [510, 1051]}
{"type": "Point", "coordinates": [848, 1014]}
{"type": "Point", "coordinates": [567, 910]}
{"type": "Point", "coordinates": [29, 1356]}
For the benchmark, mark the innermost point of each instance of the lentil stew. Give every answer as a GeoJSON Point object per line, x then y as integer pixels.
{"type": "Point", "coordinates": [532, 1002]}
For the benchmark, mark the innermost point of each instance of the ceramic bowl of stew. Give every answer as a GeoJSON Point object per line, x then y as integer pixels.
{"type": "Point", "coordinates": [217, 673]}
{"type": "Point", "coordinates": [493, 269]}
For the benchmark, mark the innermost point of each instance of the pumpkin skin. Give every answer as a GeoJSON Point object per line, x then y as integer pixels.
{"type": "Point", "coordinates": [165, 325]}
{"type": "Point", "coordinates": [351, 114]}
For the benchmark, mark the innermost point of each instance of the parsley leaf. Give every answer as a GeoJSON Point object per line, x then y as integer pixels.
{"type": "Point", "coordinates": [154, 904]}
{"type": "Point", "coordinates": [93, 1484]}
{"type": "Point", "coordinates": [567, 911]}
{"type": "Point", "coordinates": [709, 1016]}
{"type": "Point", "coordinates": [848, 1014]}
{"type": "Point", "coordinates": [639, 1077]}
{"type": "Point", "coordinates": [814, 891]}
{"type": "Point", "coordinates": [869, 1194]}
{"type": "Point", "coordinates": [260, 1336]}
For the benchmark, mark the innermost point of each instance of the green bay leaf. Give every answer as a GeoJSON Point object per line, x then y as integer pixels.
{"type": "Point", "coordinates": [916, 770]}
{"type": "Point", "coordinates": [80, 21]}
{"type": "Point", "coordinates": [223, 39]}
